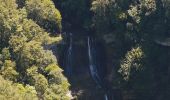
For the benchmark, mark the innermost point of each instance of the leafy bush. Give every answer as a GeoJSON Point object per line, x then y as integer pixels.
{"type": "Point", "coordinates": [131, 61]}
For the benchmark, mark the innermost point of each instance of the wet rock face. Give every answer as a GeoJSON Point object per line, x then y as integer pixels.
{"type": "Point", "coordinates": [80, 55]}
{"type": "Point", "coordinates": [81, 78]}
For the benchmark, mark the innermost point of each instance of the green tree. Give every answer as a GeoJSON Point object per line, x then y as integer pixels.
{"type": "Point", "coordinates": [45, 14]}
{"type": "Point", "coordinates": [131, 23]}
{"type": "Point", "coordinates": [23, 58]}
{"type": "Point", "coordinates": [13, 91]}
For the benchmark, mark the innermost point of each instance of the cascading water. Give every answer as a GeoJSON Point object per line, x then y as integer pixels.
{"type": "Point", "coordinates": [93, 66]}
{"type": "Point", "coordinates": [69, 57]}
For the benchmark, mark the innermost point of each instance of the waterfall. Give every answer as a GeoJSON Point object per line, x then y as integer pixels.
{"type": "Point", "coordinates": [106, 97]}
{"type": "Point", "coordinates": [93, 65]}
{"type": "Point", "coordinates": [69, 57]}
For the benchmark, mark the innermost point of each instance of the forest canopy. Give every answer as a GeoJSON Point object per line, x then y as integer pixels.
{"type": "Point", "coordinates": [135, 36]}
{"type": "Point", "coordinates": [27, 70]}
{"type": "Point", "coordinates": [130, 40]}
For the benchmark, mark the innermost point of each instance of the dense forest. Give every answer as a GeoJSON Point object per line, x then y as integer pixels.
{"type": "Point", "coordinates": [84, 49]}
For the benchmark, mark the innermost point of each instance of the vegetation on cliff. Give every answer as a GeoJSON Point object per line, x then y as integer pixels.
{"type": "Point", "coordinates": [128, 30]}
{"type": "Point", "coordinates": [134, 26]}
{"type": "Point", "coordinates": [134, 33]}
{"type": "Point", "coordinates": [27, 70]}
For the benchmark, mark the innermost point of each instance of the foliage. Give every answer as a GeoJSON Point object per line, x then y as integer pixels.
{"type": "Point", "coordinates": [75, 14]}
{"type": "Point", "coordinates": [13, 91]}
{"type": "Point", "coordinates": [23, 59]}
{"type": "Point", "coordinates": [131, 61]}
{"type": "Point", "coordinates": [102, 15]}
{"type": "Point", "coordinates": [131, 23]}
{"type": "Point", "coordinates": [45, 14]}
{"type": "Point", "coordinates": [127, 28]}
{"type": "Point", "coordinates": [8, 70]}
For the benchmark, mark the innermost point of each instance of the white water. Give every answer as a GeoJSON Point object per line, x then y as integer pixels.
{"type": "Point", "coordinates": [106, 97]}
{"type": "Point", "coordinates": [93, 68]}
{"type": "Point", "coordinates": [69, 57]}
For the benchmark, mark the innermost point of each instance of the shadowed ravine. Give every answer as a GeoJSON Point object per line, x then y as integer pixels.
{"type": "Point", "coordinates": [93, 68]}
{"type": "Point", "coordinates": [88, 82]}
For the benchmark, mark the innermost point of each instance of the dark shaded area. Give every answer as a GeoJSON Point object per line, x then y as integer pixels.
{"type": "Point", "coordinates": [151, 81]}
{"type": "Point", "coordinates": [76, 15]}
